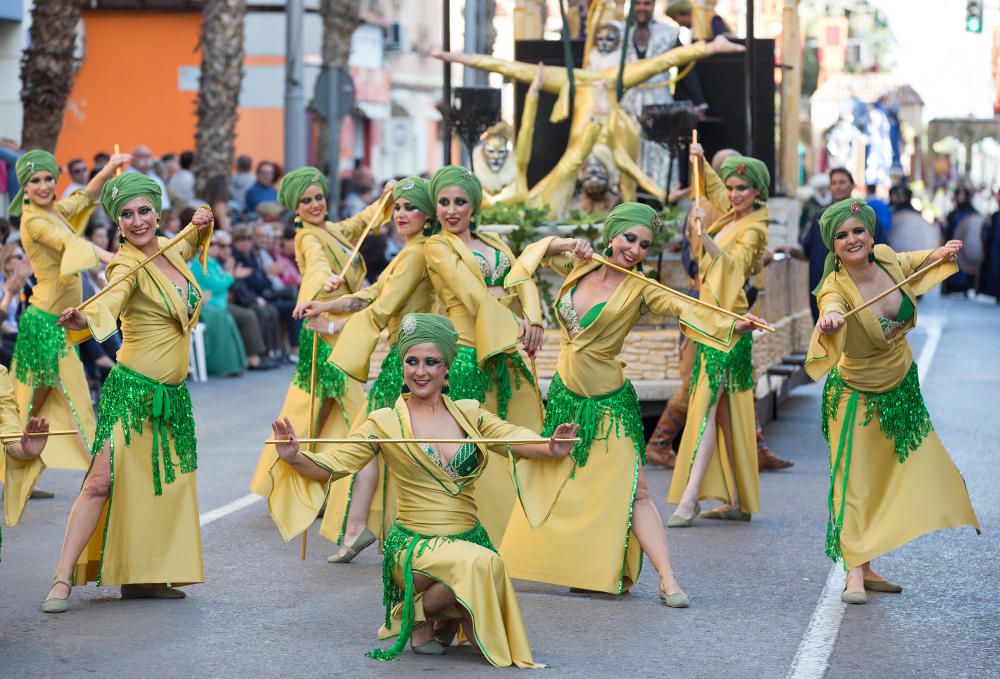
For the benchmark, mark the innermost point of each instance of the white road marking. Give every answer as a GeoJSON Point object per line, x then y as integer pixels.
{"type": "Point", "coordinates": [234, 506]}
{"type": "Point", "coordinates": [813, 655]}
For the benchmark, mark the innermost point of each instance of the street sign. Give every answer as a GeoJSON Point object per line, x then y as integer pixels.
{"type": "Point", "coordinates": [334, 92]}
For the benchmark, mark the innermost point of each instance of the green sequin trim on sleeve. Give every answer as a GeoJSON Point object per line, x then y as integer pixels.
{"type": "Point", "coordinates": [133, 398]}
{"type": "Point", "coordinates": [388, 386]}
{"type": "Point", "coordinates": [401, 542]}
{"type": "Point", "coordinates": [736, 367]}
{"type": "Point", "coordinates": [621, 407]}
{"type": "Point", "coordinates": [902, 416]}
{"type": "Point", "coordinates": [330, 380]}
{"type": "Point", "coordinates": [465, 379]}
{"type": "Point", "coordinates": [39, 346]}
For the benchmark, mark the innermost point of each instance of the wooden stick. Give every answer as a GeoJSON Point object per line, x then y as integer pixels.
{"type": "Point", "coordinates": [538, 388]}
{"type": "Point", "coordinates": [117, 151]}
{"type": "Point", "coordinates": [33, 434]}
{"type": "Point", "coordinates": [514, 442]}
{"type": "Point", "coordinates": [661, 286]}
{"type": "Point", "coordinates": [364, 234]}
{"type": "Point", "coordinates": [312, 420]}
{"type": "Point", "coordinates": [897, 286]}
{"type": "Point", "coordinates": [176, 240]}
{"type": "Point", "coordinates": [696, 188]}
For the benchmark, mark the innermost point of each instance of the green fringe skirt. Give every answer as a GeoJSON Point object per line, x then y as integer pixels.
{"type": "Point", "coordinates": [39, 346]}
{"type": "Point", "coordinates": [735, 367]}
{"type": "Point", "coordinates": [466, 380]}
{"type": "Point", "coordinates": [620, 406]}
{"type": "Point", "coordinates": [389, 384]}
{"type": "Point", "coordinates": [401, 542]}
{"type": "Point", "coordinates": [132, 398]}
{"type": "Point", "coordinates": [330, 380]}
{"type": "Point", "coordinates": [902, 417]}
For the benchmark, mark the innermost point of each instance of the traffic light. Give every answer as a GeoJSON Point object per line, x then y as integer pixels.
{"type": "Point", "coordinates": [974, 16]}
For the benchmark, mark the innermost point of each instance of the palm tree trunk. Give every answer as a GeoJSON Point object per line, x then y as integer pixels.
{"type": "Point", "coordinates": [340, 18]}
{"type": "Point", "coordinates": [47, 71]}
{"type": "Point", "coordinates": [219, 88]}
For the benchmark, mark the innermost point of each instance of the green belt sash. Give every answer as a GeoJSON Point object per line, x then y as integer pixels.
{"type": "Point", "coordinates": [400, 539]}
{"type": "Point", "coordinates": [621, 407]}
{"type": "Point", "coordinates": [39, 346]}
{"type": "Point", "coordinates": [133, 398]}
{"type": "Point", "coordinates": [902, 417]}
{"type": "Point", "coordinates": [330, 380]}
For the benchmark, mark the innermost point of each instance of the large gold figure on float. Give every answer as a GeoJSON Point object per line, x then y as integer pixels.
{"type": "Point", "coordinates": [596, 118]}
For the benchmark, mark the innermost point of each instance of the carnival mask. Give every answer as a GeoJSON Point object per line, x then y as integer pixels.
{"type": "Point", "coordinates": [608, 39]}
{"type": "Point", "coordinates": [496, 148]}
{"type": "Point", "coordinates": [594, 178]}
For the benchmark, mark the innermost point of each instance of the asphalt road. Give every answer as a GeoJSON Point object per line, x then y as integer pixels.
{"type": "Point", "coordinates": [754, 587]}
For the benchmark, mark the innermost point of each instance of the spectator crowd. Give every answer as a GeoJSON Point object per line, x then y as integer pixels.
{"type": "Point", "coordinates": [251, 279]}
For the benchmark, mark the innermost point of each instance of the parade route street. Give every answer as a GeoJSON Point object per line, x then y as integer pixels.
{"type": "Point", "coordinates": [754, 587]}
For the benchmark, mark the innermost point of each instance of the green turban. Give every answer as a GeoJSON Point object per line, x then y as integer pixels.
{"type": "Point", "coordinates": [27, 165]}
{"type": "Point", "coordinates": [414, 189]}
{"type": "Point", "coordinates": [626, 215]}
{"type": "Point", "coordinates": [456, 175]}
{"type": "Point", "coordinates": [753, 171]}
{"type": "Point", "coordinates": [679, 7]}
{"type": "Point", "coordinates": [832, 219]}
{"type": "Point", "coordinates": [297, 182]}
{"type": "Point", "coordinates": [420, 328]}
{"type": "Point", "coordinates": [123, 188]}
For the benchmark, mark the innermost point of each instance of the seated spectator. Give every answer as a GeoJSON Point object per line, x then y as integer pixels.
{"type": "Point", "coordinates": [254, 291]}
{"type": "Point", "coordinates": [78, 176]}
{"type": "Point", "coordinates": [264, 189]}
{"type": "Point", "coordinates": [241, 182]}
{"type": "Point", "coordinates": [246, 317]}
{"type": "Point", "coordinates": [225, 353]}
{"type": "Point", "coordinates": [181, 184]}
{"type": "Point", "coordinates": [216, 196]}
{"type": "Point", "coordinates": [264, 245]}
{"type": "Point", "coordinates": [284, 254]}
{"type": "Point", "coordinates": [16, 270]}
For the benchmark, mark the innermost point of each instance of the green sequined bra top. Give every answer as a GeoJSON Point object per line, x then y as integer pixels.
{"type": "Point", "coordinates": [192, 297]}
{"type": "Point", "coordinates": [495, 275]}
{"type": "Point", "coordinates": [891, 326]}
{"type": "Point", "coordinates": [567, 311]}
{"type": "Point", "coordinates": [462, 463]}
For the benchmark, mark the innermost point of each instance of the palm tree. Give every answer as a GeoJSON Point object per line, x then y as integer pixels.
{"type": "Point", "coordinates": [48, 67]}
{"type": "Point", "coordinates": [340, 18]}
{"type": "Point", "coordinates": [219, 88]}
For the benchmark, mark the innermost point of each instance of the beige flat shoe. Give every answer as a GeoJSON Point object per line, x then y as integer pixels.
{"type": "Point", "coordinates": [856, 598]}
{"type": "Point", "coordinates": [364, 540]}
{"type": "Point", "coordinates": [678, 521]}
{"type": "Point", "coordinates": [56, 605]}
{"type": "Point", "coordinates": [676, 600]}
{"type": "Point", "coordinates": [883, 586]}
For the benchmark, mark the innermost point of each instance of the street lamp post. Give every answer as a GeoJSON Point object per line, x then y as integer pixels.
{"type": "Point", "coordinates": [295, 100]}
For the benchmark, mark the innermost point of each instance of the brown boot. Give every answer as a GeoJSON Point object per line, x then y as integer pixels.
{"type": "Point", "coordinates": [660, 448]}
{"type": "Point", "coordinates": [766, 460]}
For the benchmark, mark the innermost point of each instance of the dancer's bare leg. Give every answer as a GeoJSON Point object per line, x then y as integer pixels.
{"type": "Point", "coordinates": [648, 528]}
{"type": "Point", "coordinates": [436, 597]}
{"type": "Point", "coordinates": [362, 492]}
{"type": "Point", "coordinates": [727, 435]}
{"type": "Point", "coordinates": [83, 518]}
{"type": "Point", "coordinates": [702, 457]}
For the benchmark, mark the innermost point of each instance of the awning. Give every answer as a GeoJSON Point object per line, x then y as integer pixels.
{"type": "Point", "coordinates": [373, 111]}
